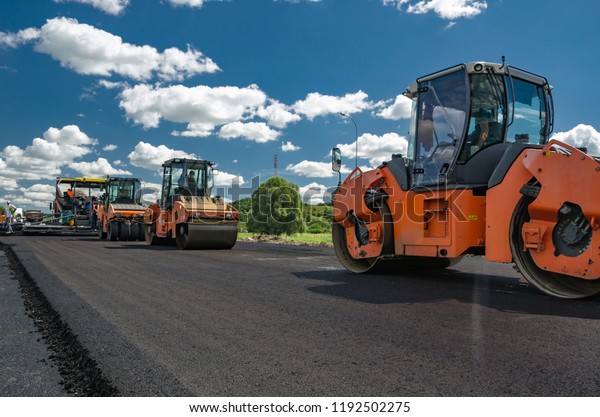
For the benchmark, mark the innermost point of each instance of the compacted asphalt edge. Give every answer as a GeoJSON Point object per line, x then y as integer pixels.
{"type": "Point", "coordinates": [79, 374]}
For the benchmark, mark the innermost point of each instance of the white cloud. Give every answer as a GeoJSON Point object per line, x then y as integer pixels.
{"type": "Point", "coordinates": [311, 169]}
{"type": "Point", "coordinates": [445, 9]}
{"type": "Point", "coordinates": [114, 7]}
{"type": "Point", "coordinates": [400, 109]}
{"type": "Point", "coordinates": [176, 65]}
{"type": "Point", "coordinates": [376, 149]}
{"type": "Point", "coordinates": [202, 107]}
{"type": "Point", "coordinates": [45, 156]}
{"type": "Point", "coordinates": [317, 104]}
{"type": "Point", "coordinates": [581, 136]}
{"type": "Point", "coordinates": [42, 193]}
{"type": "Point", "coordinates": [224, 179]}
{"type": "Point", "coordinates": [68, 135]}
{"type": "Point", "coordinates": [189, 3]}
{"type": "Point", "coordinates": [289, 147]}
{"type": "Point", "coordinates": [258, 132]}
{"type": "Point", "coordinates": [98, 168]}
{"type": "Point", "coordinates": [152, 157]}
{"type": "Point", "coordinates": [91, 51]}
{"type": "Point", "coordinates": [314, 193]}
{"type": "Point", "coordinates": [109, 147]}
{"type": "Point", "coordinates": [110, 85]}
{"type": "Point", "coordinates": [277, 114]}
{"type": "Point", "coordinates": [14, 40]}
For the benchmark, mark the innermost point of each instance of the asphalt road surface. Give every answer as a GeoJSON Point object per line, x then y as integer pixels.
{"type": "Point", "coordinates": [274, 320]}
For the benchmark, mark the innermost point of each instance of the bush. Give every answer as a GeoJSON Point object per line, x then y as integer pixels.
{"type": "Point", "coordinates": [276, 208]}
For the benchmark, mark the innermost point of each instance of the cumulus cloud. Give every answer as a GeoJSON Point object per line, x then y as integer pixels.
{"type": "Point", "coordinates": [113, 7]}
{"type": "Point", "coordinates": [445, 9]}
{"type": "Point", "coordinates": [311, 169]}
{"type": "Point", "coordinates": [581, 136]}
{"type": "Point", "coordinates": [289, 147]}
{"type": "Point", "coordinates": [99, 168]}
{"type": "Point", "coordinates": [224, 179]}
{"type": "Point", "coordinates": [277, 114]}
{"type": "Point", "coordinates": [14, 40]}
{"type": "Point", "coordinates": [109, 147]}
{"type": "Point", "coordinates": [257, 132]}
{"type": "Point", "coordinates": [400, 109]}
{"type": "Point", "coordinates": [39, 194]}
{"type": "Point", "coordinates": [314, 193]}
{"type": "Point", "coordinates": [152, 157]}
{"type": "Point", "coordinates": [202, 107]}
{"type": "Point", "coordinates": [376, 149]}
{"type": "Point", "coordinates": [317, 104]}
{"type": "Point", "coordinates": [91, 51]}
{"type": "Point", "coordinates": [45, 156]}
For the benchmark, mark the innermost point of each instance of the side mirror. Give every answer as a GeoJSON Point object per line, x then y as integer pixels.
{"type": "Point", "coordinates": [336, 159]}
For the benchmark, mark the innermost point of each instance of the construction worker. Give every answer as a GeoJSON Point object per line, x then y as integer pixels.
{"type": "Point", "coordinates": [9, 216]}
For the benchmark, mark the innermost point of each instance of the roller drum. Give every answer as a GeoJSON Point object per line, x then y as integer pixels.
{"type": "Point", "coordinates": [206, 236]}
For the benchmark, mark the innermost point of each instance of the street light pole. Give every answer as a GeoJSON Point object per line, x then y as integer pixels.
{"type": "Point", "coordinates": [356, 133]}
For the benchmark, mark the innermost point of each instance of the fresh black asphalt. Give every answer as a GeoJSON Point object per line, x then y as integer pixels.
{"type": "Point", "coordinates": [274, 320]}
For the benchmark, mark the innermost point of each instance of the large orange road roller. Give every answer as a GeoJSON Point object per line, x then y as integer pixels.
{"type": "Point", "coordinates": [186, 213]}
{"type": "Point", "coordinates": [480, 176]}
{"type": "Point", "coordinates": [120, 215]}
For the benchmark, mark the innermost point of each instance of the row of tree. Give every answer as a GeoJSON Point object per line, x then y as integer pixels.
{"type": "Point", "coordinates": [276, 208]}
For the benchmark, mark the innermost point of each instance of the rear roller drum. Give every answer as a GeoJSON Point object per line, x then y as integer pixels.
{"type": "Point", "coordinates": [551, 283]}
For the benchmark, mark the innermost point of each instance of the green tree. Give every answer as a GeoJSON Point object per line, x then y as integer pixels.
{"type": "Point", "coordinates": [276, 208]}
{"type": "Point", "coordinates": [2, 210]}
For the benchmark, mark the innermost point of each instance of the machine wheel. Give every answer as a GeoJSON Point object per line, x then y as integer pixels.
{"type": "Point", "coordinates": [101, 234]}
{"type": "Point", "coordinates": [550, 283]}
{"type": "Point", "coordinates": [123, 231]}
{"type": "Point", "coordinates": [136, 231]}
{"type": "Point", "coordinates": [113, 231]}
{"type": "Point", "coordinates": [182, 236]}
{"type": "Point", "coordinates": [153, 240]}
{"type": "Point", "coordinates": [150, 234]}
{"type": "Point", "coordinates": [340, 245]}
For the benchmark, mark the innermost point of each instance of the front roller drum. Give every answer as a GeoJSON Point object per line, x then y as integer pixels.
{"type": "Point", "coordinates": [382, 263]}
{"type": "Point", "coordinates": [550, 283]}
{"type": "Point", "coordinates": [206, 236]}
{"type": "Point", "coordinates": [152, 239]}
{"type": "Point", "coordinates": [384, 246]}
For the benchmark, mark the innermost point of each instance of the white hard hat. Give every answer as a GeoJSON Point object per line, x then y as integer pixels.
{"type": "Point", "coordinates": [8, 202]}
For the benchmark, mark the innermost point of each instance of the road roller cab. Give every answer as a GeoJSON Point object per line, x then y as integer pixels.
{"type": "Point", "coordinates": [119, 215]}
{"type": "Point", "coordinates": [480, 175]}
{"type": "Point", "coordinates": [187, 214]}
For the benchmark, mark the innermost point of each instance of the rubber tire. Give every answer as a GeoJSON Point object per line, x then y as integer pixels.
{"type": "Point", "coordinates": [134, 231]}
{"type": "Point", "coordinates": [113, 231]}
{"type": "Point", "coordinates": [123, 231]}
{"type": "Point", "coordinates": [101, 234]}
{"type": "Point", "coordinates": [182, 235]}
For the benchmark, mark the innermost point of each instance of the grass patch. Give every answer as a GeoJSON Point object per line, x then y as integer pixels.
{"type": "Point", "coordinates": [321, 239]}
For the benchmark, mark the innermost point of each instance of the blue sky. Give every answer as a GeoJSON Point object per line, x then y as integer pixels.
{"type": "Point", "coordinates": [97, 87]}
